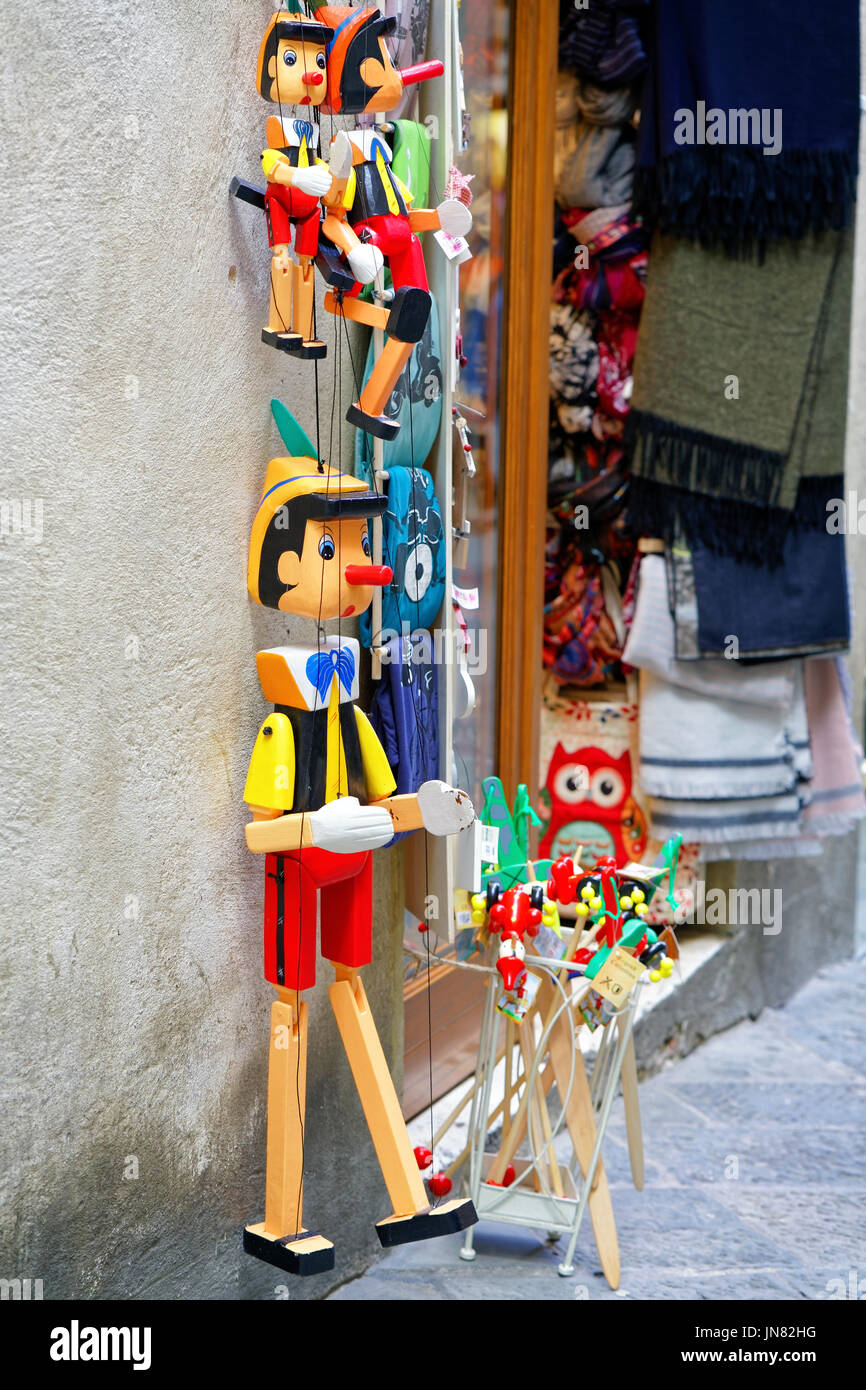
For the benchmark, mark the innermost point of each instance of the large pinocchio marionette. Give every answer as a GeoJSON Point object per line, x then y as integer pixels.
{"type": "Point", "coordinates": [321, 794]}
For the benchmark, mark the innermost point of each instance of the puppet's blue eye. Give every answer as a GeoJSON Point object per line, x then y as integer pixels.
{"type": "Point", "coordinates": [326, 548]}
{"type": "Point", "coordinates": [365, 543]}
{"type": "Point", "coordinates": [320, 60]}
{"type": "Point", "coordinates": [290, 57]}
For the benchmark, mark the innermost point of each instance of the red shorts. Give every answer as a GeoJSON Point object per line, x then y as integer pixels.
{"type": "Point", "coordinates": [400, 247]}
{"type": "Point", "coordinates": [291, 884]}
{"type": "Point", "coordinates": [285, 206]}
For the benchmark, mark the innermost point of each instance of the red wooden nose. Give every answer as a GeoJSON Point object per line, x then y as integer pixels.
{"type": "Point", "coordinates": [419, 72]}
{"type": "Point", "coordinates": [377, 575]}
{"type": "Point", "coordinates": [313, 79]}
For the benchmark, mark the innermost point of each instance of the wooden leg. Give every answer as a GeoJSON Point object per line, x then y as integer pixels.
{"type": "Point", "coordinates": [302, 303]}
{"type": "Point", "coordinates": [378, 1097]}
{"type": "Point", "coordinates": [280, 306]}
{"type": "Point", "coordinates": [413, 1218]}
{"type": "Point", "coordinates": [287, 1100]}
{"type": "Point", "coordinates": [281, 1238]}
{"type": "Point", "coordinates": [384, 376]}
{"type": "Point", "coordinates": [357, 310]}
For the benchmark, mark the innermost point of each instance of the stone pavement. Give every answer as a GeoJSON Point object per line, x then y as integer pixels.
{"type": "Point", "coordinates": [755, 1177]}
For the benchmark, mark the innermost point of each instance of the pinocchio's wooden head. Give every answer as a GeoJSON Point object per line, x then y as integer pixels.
{"type": "Point", "coordinates": [361, 75]}
{"type": "Point", "coordinates": [292, 67]}
{"type": "Point", "coordinates": [310, 544]}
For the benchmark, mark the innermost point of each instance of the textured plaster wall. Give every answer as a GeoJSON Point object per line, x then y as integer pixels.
{"type": "Point", "coordinates": [135, 414]}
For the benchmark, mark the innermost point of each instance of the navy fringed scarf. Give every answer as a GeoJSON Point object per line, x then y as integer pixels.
{"type": "Point", "coordinates": [729, 80]}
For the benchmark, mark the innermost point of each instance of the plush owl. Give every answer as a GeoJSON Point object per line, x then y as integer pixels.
{"type": "Point", "coordinates": [588, 798]}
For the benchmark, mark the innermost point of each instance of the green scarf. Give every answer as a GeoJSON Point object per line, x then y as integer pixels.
{"type": "Point", "coordinates": [740, 388]}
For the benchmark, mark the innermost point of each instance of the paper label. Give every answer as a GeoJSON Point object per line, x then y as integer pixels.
{"type": "Point", "coordinates": [618, 976]}
{"type": "Point", "coordinates": [456, 248]}
{"type": "Point", "coordinates": [490, 844]}
{"type": "Point", "coordinates": [467, 598]}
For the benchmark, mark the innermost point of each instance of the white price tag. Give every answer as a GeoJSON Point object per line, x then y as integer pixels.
{"type": "Point", "coordinates": [456, 248]}
{"type": "Point", "coordinates": [467, 598]}
{"type": "Point", "coordinates": [490, 844]}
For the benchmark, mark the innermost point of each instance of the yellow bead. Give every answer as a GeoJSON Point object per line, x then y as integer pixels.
{"type": "Point", "coordinates": [667, 967]}
{"type": "Point", "coordinates": [641, 909]}
{"type": "Point", "coordinates": [478, 918]}
{"type": "Point", "coordinates": [600, 921]}
{"type": "Point", "coordinates": [582, 910]}
{"type": "Point", "coordinates": [626, 901]}
{"type": "Point", "coordinates": [595, 903]}
{"type": "Point", "coordinates": [638, 895]}
{"type": "Point", "coordinates": [478, 901]}
{"type": "Point", "coordinates": [655, 976]}
{"type": "Point", "coordinates": [587, 892]}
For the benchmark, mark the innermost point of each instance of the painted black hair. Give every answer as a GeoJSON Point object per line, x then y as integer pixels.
{"type": "Point", "coordinates": [355, 93]}
{"type": "Point", "coordinates": [289, 29]}
{"type": "Point", "coordinates": [286, 530]}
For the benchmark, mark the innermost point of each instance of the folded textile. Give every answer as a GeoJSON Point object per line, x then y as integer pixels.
{"type": "Point", "coordinates": [602, 41]}
{"type": "Point", "coordinates": [723, 604]}
{"type": "Point", "coordinates": [598, 169]}
{"type": "Point", "coordinates": [703, 748]}
{"type": "Point", "coordinates": [767, 818]}
{"type": "Point", "coordinates": [651, 647]}
{"type": "Point", "coordinates": [740, 391]}
{"type": "Point", "coordinates": [703, 170]}
{"type": "Point", "coordinates": [837, 799]}
{"type": "Point", "coordinates": [604, 105]}
{"type": "Point", "coordinates": [797, 847]}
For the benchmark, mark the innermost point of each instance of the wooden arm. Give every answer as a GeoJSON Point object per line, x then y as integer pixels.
{"type": "Point", "coordinates": [272, 833]}
{"type": "Point", "coordinates": [424, 220]}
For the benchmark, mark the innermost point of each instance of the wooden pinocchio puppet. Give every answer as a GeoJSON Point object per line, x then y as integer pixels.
{"type": "Point", "coordinates": [321, 794]}
{"type": "Point", "coordinates": [375, 204]}
{"type": "Point", "coordinates": [292, 71]}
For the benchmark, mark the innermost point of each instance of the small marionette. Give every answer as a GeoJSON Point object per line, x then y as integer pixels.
{"type": "Point", "coordinates": [322, 798]}
{"type": "Point", "coordinates": [292, 70]}
{"type": "Point", "coordinates": [375, 204]}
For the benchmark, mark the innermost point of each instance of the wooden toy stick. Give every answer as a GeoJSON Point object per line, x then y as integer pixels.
{"type": "Point", "coordinates": [540, 1112]}
{"type": "Point", "coordinates": [462, 1104]}
{"type": "Point", "coordinates": [287, 1089]}
{"type": "Point", "coordinates": [580, 1121]}
{"type": "Point", "coordinates": [509, 1069]}
{"type": "Point", "coordinates": [378, 1096]}
{"type": "Point", "coordinates": [547, 1079]}
{"type": "Point", "coordinates": [631, 1102]}
{"type": "Point", "coordinates": [510, 1144]}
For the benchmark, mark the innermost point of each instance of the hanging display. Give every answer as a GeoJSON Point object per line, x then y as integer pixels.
{"type": "Point", "coordinates": [320, 787]}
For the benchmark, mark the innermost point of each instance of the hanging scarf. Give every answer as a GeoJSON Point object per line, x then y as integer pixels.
{"type": "Point", "coordinates": [797, 67]}
{"type": "Point", "coordinates": [740, 385]}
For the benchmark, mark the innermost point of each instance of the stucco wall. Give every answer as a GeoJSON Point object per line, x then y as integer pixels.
{"type": "Point", "coordinates": [135, 409]}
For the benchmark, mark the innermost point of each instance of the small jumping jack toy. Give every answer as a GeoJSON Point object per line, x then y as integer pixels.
{"type": "Point", "coordinates": [375, 204]}
{"type": "Point", "coordinates": [612, 905]}
{"type": "Point", "coordinates": [513, 914]}
{"type": "Point", "coordinates": [292, 71]}
{"type": "Point", "coordinates": [322, 798]}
